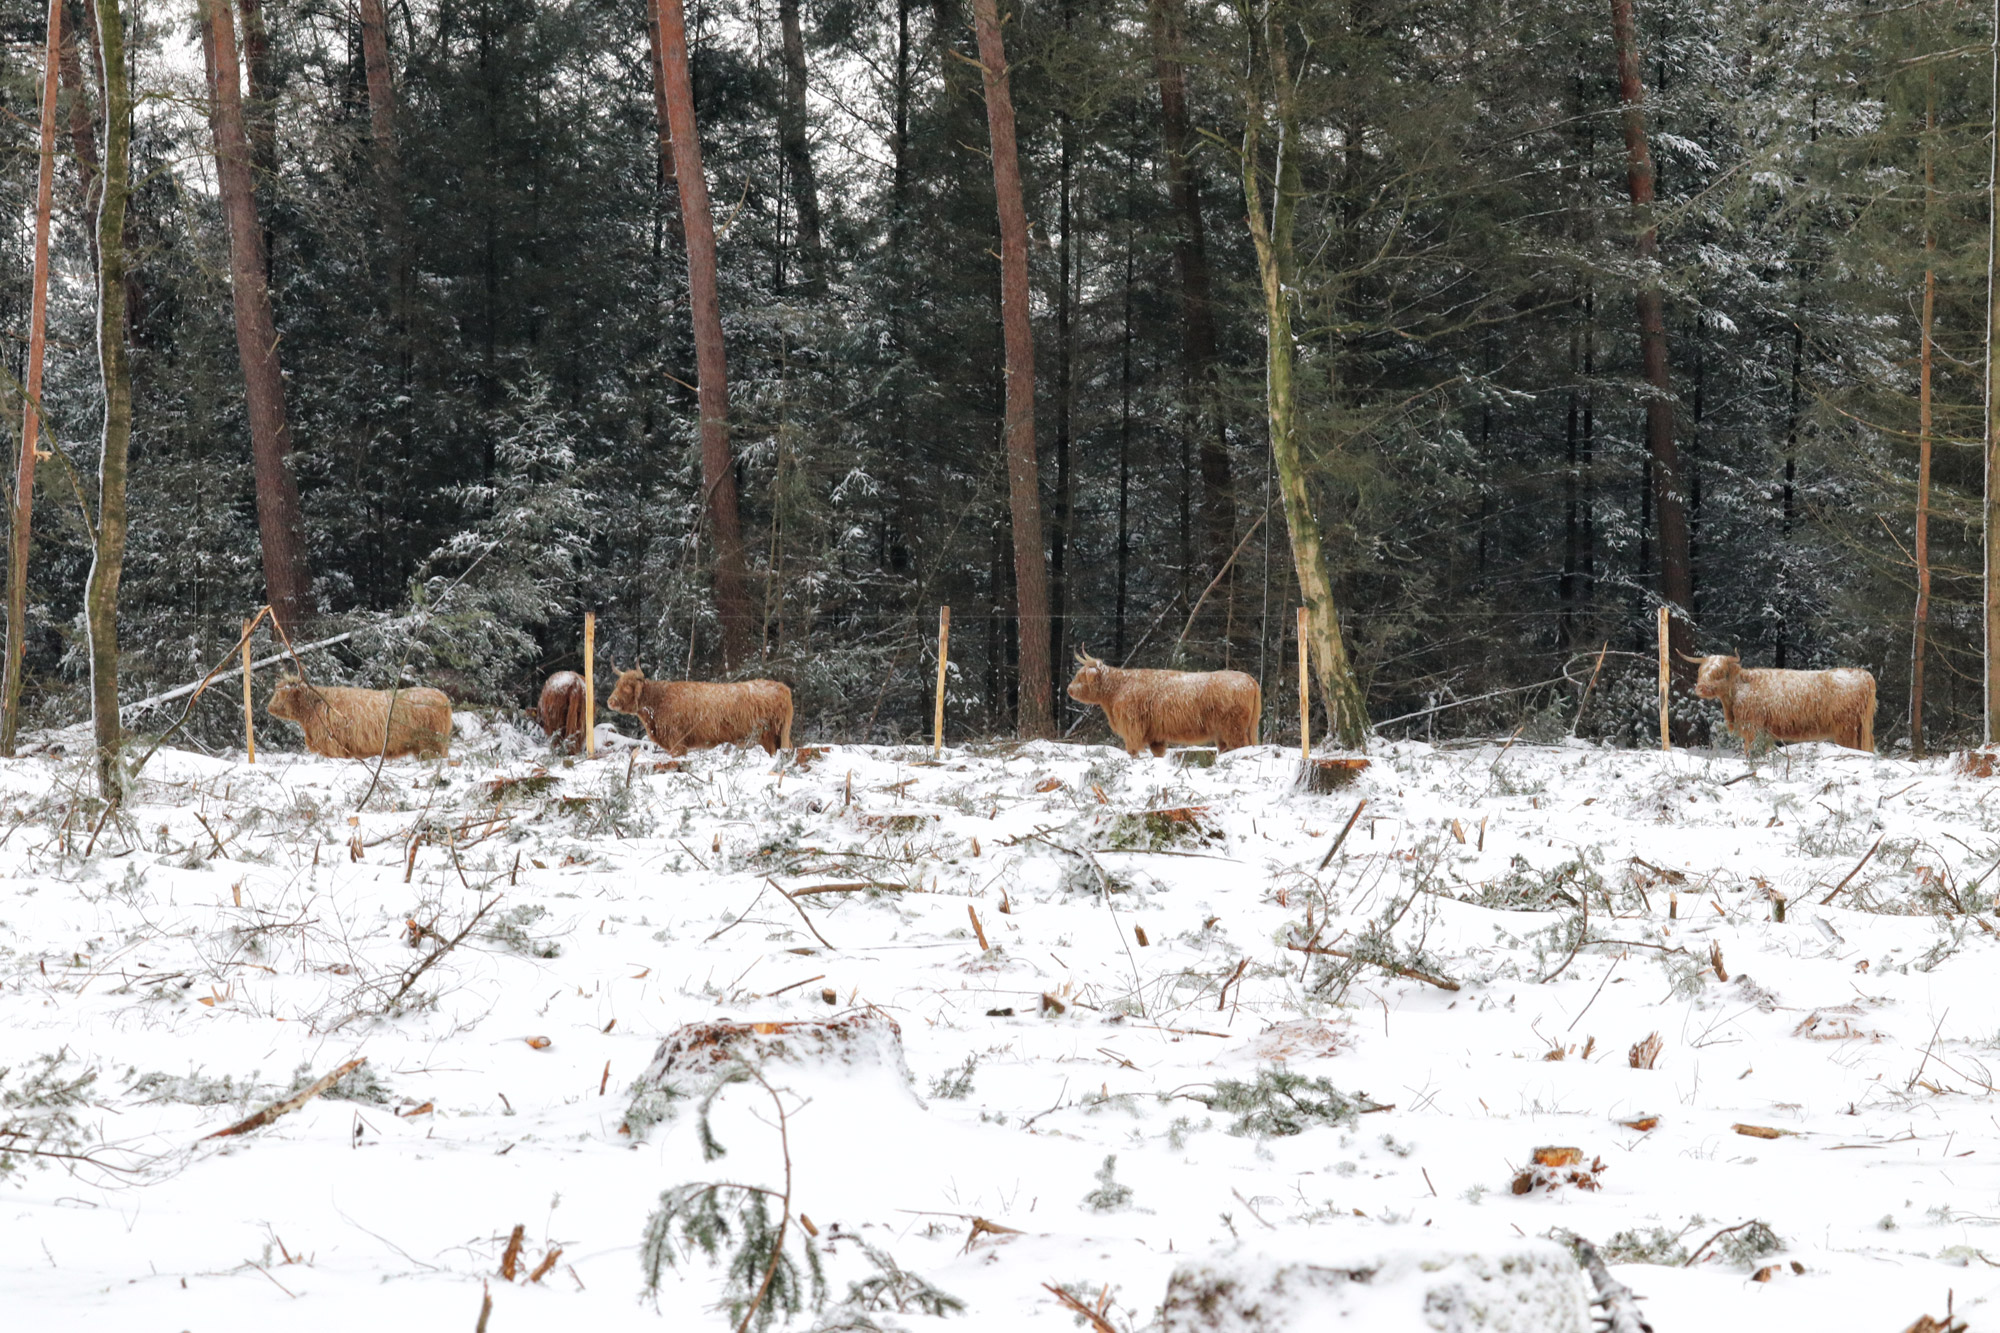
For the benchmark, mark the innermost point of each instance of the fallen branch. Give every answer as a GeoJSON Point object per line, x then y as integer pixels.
{"type": "Point", "coordinates": [1852, 873]}
{"type": "Point", "coordinates": [1620, 1306]}
{"type": "Point", "coordinates": [1075, 1306]}
{"type": "Point", "coordinates": [1442, 983]}
{"type": "Point", "coordinates": [443, 949]}
{"type": "Point", "coordinates": [1352, 819]}
{"type": "Point", "coordinates": [291, 1103]}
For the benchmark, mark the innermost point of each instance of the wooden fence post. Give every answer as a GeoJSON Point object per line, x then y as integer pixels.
{"type": "Point", "coordinates": [1305, 697]}
{"type": "Point", "coordinates": [1665, 669]}
{"type": "Point", "coordinates": [944, 644]}
{"type": "Point", "coordinates": [249, 720]}
{"type": "Point", "coordinates": [590, 684]}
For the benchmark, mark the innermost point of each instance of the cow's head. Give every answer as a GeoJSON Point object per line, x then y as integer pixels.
{"type": "Point", "coordinates": [293, 700]}
{"type": "Point", "coordinates": [625, 694]}
{"type": "Point", "coordinates": [1717, 677]}
{"type": "Point", "coordinates": [1092, 682]}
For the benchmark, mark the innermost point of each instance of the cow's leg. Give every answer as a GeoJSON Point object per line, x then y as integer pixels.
{"type": "Point", "coordinates": [769, 740]}
{"type": "Point", "coordinates": [1159, 749]}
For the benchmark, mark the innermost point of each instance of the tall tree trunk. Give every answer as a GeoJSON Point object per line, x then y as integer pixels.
{"type": "Point", "coordinates": [1668, 501]}
{"type": "Point", "coordinates": [260, 118]}
{"type": "Point", "coordinates": [1991, 508]}
{"type": "Point", "coordinates": [1166, 19]}
{"type": "Point", "coordinates": [31, 412]}
{"type": "Point", "coordinates": [287, 576]}
{"type": "Point", "coordinates": [100, 594]}
{"type": "Point", "coordinates": [1066, 260]}
{"type": "Point", "coordinates": [1920, 627]}
{"type": "Point", "coordinates": [798, 152]}
{"type": "Point", "coordinates": [381, 87]}
{"type": "Point", "coordinates": [1340, 692]}
{"type": "Point", "coordinates": [82, 129]}
{"type": "Point", "coordinates": [1024, 492]}
{"type": "Point", "coordinates": [681, 140]}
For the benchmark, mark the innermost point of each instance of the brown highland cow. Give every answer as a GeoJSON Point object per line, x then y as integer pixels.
{"type": "Point", "coordinates": [1153, 709]}
{"type": "Point", "coordinates": [1837, 705]}
{"type": "Point", "coordinates": [683, 715]}
{"type": "Point", "coordinates": [343, 723]}
{"type": "Point", "coordinates": [561, 711]}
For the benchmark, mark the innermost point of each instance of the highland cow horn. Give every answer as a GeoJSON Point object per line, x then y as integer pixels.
{"type": "Point", "coordinates": [1690, 657]}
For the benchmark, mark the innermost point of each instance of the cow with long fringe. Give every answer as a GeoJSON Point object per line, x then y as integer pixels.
{"type": "Point", "coordinates": [1150, 710]}
{"type": "Point", "coordinates": [561, 711]}
{"type": "Point", "coordinates": [1836, 705]}
{"type": "Point", "coordinates": [683, 715]}
{"type": "Point", "coordinates": [344, 723]}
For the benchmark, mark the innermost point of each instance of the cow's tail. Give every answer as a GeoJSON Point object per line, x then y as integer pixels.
{"type": "Point", "coordinates": [1867, 728]}
{"type": "Point", "coordinates": [785, 723]}
{"type": "Point", "coordinates": [573, 721]}
{"type": "Point", "coordinates": [1256, 709]}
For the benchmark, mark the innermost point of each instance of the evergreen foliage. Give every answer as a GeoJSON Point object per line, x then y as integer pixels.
{"type": "Point", "coordinates": [489, 369]}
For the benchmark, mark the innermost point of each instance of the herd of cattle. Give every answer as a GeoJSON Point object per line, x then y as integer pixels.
{"type": "Point", "coordinates": [1147, 710]}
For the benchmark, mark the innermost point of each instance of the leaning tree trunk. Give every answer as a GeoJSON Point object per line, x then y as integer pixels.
{"type": "Point", "coordinates": [31, 412]}
{"type": "Point", "coordinates": [1340, 692]}
{"type": "Point", "coordinates": [1031, 592]}
{"type": "Point", "coordinates": [100, 593]}
{"type": "Point", "coordinates": [680, 141]}
{"type": "Point", "coordinates": [287, 577]}
{"type": "Point", "coordinates": [1198, 337]}
{"type": "Point", "coordinates": [798, 152]}
{"type": "Point", "coordinates": [1669, 502]}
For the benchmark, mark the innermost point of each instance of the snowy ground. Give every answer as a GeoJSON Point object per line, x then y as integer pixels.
{"type": "Point", "coordinates": [238, 932]}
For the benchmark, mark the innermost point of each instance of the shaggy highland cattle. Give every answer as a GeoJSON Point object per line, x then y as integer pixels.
{"type": "Point", "coordinates": [343, 723]}
{"type": "Point", "coordinates": [683, 715]}
{"type": "Point", "coordinates": [1153, 709]}
{"type": "Point", "coordinates": [1837, 705]}
{"type": "Point", "coordinates": [561, 711]}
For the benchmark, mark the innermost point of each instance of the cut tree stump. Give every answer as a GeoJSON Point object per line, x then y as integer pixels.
{"type": "Point", "coordinates": [1329, 775]}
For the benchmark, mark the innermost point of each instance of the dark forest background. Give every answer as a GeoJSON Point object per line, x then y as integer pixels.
{"type": "Point", "coordinates": [488, 360]}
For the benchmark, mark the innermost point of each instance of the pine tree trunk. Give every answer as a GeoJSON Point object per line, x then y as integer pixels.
{"type": "Point", "coordinates": [792, 124]}
{"type": "Point", "coordinates": [1668, 500]}
{"type": "Point", "coordinates": [1991, 508]}
{"type": "Point", "coordinates": [100, 595]}
{"type": "Point", "coordinates": [82, 131]}
{"type": "Point", "coordinates": [1920, 627]}
{"type": "Point", "coordinates": [674, 92]}
{"type": "Point", "coordinates": [260, 119]}
{"type": "Point", "coordinates": [381, 86]}
{"type": "Point", "coordinates": [1198, 337]}
{"type": "Point", "coordinates": [287, 576]}
{"type": "Point", "coordinates": [31, 413]}
{"type": "Point", "coordinates": [1030, 567]}
{"type": "Point", "coordinates": [1340, 692]}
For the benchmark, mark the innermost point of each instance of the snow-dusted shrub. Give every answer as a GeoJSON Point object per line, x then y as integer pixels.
{"type": "Point", "coordinates": [38, 1105]}
{"type": "Point", "coordinates": [1279, 1103]}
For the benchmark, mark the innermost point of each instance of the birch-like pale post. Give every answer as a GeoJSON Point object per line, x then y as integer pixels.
{"type": "Point", "coordinates": [249, 719]}
{"type": "Point", "coordinates": [1305, 697]}
{"type": "Point", "coordinates": [590, 684]}
{"type": "Point", "coordinates": [944, 645]}
{"type": "Point", "coordinates": [1665, 668]}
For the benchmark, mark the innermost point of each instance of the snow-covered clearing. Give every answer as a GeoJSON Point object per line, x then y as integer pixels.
{"type": "Point", "coordinates": [237, 934]}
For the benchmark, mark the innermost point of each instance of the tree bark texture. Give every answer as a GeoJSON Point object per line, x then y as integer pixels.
{"type": "Point", "coordinates": [381, 85]}
{"type": "Point", "coordinates": [1166, 18]}
{"type": "Point", "coordinates": [1668, 496]}
{"type": "Point", "coordinates": [792, 125]}
{"type": "Point", "coordinates": [1990, 584]}
{"type": "Point", "coordinates": [31, 412]}
{"type": "Point", "coordinates": [100, 594]}
{"type": "Point", "coordinates": [1034, 717]}
{"type": "Point", "coordinates": [682, 142]}
{"type": "Point", "coordinates": [82, 130]}
{"type": "Point", "coordinates": [260, 111]}
{"type": "Point", "coordinates": [287, 575]}
{"type": "Point", "coordinates": [1340, 692]}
